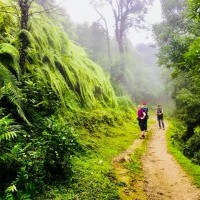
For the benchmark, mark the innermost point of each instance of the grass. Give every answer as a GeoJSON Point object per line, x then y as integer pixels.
{"type": "Point", "coordinates": [136, 174]}
{"type": "Point", "coordinates": [96, 178]}
{"type": "Point", "coordinates": [135, 169]}
{"type": "Point", "coordinates": [93, 175]}
{"type": "Point", "coordinates": [191, 169]}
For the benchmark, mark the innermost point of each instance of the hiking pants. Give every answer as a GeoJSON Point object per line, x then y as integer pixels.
{"type": "Point", "coordinates": [142, 124]}
{"type": "Point", "coordinates": [145, 124]}
{"type": "Point", "coordinates": [160, 121]}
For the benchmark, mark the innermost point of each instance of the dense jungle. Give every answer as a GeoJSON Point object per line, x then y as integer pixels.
{"type": "Point", "coordinates": [69, 94]}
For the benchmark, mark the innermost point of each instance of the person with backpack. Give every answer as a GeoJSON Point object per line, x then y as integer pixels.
{"type": "Point", "coordinates": [145, 109]}
{"type": "Point", "coordinates": [159, 112]}
{"type": "Point", "coordinates": [141, 120]}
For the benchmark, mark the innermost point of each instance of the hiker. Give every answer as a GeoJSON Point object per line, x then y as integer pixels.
{"type": "Point", "coordinates": [145, 109]}
{"type": "Point", "coordinates": [140, 116]}
{"type": "Point", "coordinates": [159, 112]}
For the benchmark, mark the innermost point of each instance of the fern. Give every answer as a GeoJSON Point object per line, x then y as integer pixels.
{"type": "Point", "coordinates": [70, 61]}
{"type": "Point", "coordinates": [10, 89]}
{"type": "Point", "coordinates": [11, 188]}
{"type": "Point", "coordinates": [8, 51]}
{"type": "Point", "coordinates": [8, 135]}
{"type": "Point", "coordinates": [58, 62]}
{"type": "Point", "coordinates": [8, 131]}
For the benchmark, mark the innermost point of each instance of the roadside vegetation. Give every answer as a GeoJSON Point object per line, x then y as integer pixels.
{"type": "Point", "coordinates": [177, 148]}
{"type": "Point", "coordinates": [93, 175]}
{"type": "Point", "coordinates": [178, 40]}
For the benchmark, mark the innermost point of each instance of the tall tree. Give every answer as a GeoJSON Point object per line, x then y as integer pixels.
{"type": "Point", "coordinates": [127, 14]}
{"type": "Point", "coordinates": [104, 24]}
{"type": "Point", "coordinates": [168, 32]}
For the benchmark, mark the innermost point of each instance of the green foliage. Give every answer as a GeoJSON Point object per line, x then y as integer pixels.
{"type": "Point", "coordinates": [78, 76]}
{"type": "Point", "coordinates": [8, 131]}
{"type": "Point", "coordinates": [93, 182]}
{"type": "Point", "coordinates": [9, 57]}
{"type": "Point", "coordinates": [192, 147]}
{"type": "Point", "coordinates": [125, 103]}
{"type": "Point", "coordinates": [135, 166]}
{"type": "Point", "coordinates": [173, 142]}
{"type": "Point", "coordinates": [9, 77]}
{"type": "Point", "coordinates": [93, 176]}
{"type": "Point", "coordinates": [180, 51]}
{"type": "Point", "coordinates": [38, 99]}
{"type": "Point", "coordinates": [92, 121]}
{"type": "Point", "coordinates": [39, 156]}
{"type": "Point", "coordinates": [194, 7]}
{"type": "Point", "coordinates": [75, 79]}
{"type": "Point", "coordinates": [192, 57]}
{"type": "Point", "coordinates": [190, 108]}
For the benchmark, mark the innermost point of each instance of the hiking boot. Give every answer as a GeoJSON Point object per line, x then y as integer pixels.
{"type": "Point", "coordinates": [142, 137]}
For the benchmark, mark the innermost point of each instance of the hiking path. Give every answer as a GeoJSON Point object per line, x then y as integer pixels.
{"type": "Point", "coordinates": [163, 178]}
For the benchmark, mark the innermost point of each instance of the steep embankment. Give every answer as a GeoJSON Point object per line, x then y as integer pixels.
{"type": "Point", "coordinates": [52, 109]}
{"type": "Point", "coordinates": [52, 59]}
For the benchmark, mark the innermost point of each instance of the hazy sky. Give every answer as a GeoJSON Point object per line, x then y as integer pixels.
{"type": "Point", "coordinates": [81, 11]}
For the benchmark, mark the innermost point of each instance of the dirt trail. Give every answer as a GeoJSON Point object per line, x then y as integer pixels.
{"type": "Point", "coordinates": [163, 177]}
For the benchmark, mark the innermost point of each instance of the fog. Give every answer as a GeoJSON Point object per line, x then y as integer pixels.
{"type": "Point", "coordinates": [145, 80]}
{"type": "Point", "coordinates": [81, 11]}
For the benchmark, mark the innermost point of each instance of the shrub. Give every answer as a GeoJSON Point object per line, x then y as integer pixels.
{"type": "Point", "coordinates": [36, 158]}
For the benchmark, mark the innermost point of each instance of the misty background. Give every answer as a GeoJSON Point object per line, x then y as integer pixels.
{"type": "Point", "coordinates": [144, 79]}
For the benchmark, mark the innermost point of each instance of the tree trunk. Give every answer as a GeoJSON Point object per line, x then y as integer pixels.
{"type": "Point", "coordinates": [119, 37]}
{"type": "Point", "coordinates": [24, 9]}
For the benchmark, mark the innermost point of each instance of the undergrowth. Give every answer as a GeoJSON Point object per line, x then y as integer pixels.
{"type": "Point", "coordinates": [175, 148]}
{"type": "Point", "coordinates": [102, 136]}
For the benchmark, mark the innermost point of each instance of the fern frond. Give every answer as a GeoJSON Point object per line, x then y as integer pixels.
{"type": "Point", "coordinates": [11, 188]}
{"type": "Point", "coordinates": [8, 135]}
{"type": "Point", "coordinates": [9, 88]}
{"type": "Point", "coordinates": [8, 130]}
{"type": "Point", "coordinates": [9, 55]}
{"type": "Point", "coordinates": [7, 77]}
{"type": "Point", "coordinates": [14, 96]}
